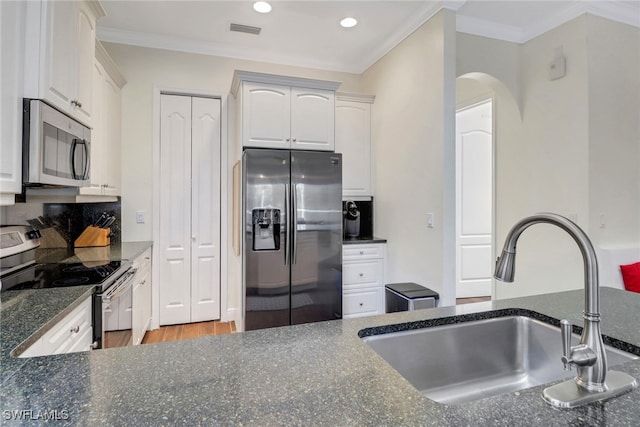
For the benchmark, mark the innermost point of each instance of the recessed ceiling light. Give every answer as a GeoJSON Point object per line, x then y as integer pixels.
{"type": "Point", "coordinates": [348, 22]}
{"type": "Point", "coordinates": [262, 7]}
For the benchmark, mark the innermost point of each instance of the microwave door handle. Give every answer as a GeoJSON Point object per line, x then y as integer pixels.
{"type": "Point", "coordinates": [85, 172]}
{"type": "Point", "coordinates": [73, 158]}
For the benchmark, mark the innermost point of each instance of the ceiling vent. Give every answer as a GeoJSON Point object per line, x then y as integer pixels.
{"type": "Point", "coordinates": [245, 29]}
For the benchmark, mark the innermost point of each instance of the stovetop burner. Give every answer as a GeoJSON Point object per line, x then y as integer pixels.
{"type": "Point", "coordinates": [40, 276]}
{"type": "Point", "coordinates": [71, 281]}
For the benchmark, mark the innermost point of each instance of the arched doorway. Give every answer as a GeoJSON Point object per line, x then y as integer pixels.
{"type": "Point", "coordinates": [478, 97]}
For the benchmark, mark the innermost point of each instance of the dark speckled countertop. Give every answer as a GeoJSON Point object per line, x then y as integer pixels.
{"type": "Point", "coordinates": [318, 374]}
{"type": "Point", "coordinates": [362, 240]}
{"type": "Point", "coordinates": [26, 315]}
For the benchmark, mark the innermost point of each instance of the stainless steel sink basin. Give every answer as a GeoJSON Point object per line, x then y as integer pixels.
{"type": "Point", "coordinates": [463, 362]}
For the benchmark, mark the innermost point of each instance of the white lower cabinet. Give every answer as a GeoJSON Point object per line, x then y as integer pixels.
{"type": "Point", "coordinates": [73, 333]}
{"type": "Point", "coordinates": [141, 316]}
{"type": "Point", "coordinates": [363, 269]}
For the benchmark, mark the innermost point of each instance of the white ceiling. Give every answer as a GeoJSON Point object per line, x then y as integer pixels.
{"type": "Point", "coordinates": [307, 33]}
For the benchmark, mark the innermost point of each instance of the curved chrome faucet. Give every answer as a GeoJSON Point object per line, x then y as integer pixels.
{"type": "Point", "coordinates": [591, 383]}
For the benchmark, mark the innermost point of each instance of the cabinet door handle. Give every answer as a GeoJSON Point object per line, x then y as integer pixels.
{"type": "Point", "coordinates": [361, 274]}
{"type": "Point", "coordinates": [288, 139]}
{"type": "Point", "coordinates": [75, 330]}
{"type": "Point", "coordinates": [361, 252]}
{"type": "Point", "coordinates": [361, 304]}
{"type": "Point", "coordinates": [294, 139]}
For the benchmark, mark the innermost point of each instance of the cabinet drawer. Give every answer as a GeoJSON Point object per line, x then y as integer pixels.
{"type": "Point", "coordinates": [364, 302]}
{"type": "Point", "coordinates": [64, 336]}
{"type": "Point", "coordinates": [73, 333]}
{"type": "Point", "coordinates": [361, 272]}
{"type": "Point", "coordinates": [355, 252]}
{"type": "Point", "coordinates": [143, 261]}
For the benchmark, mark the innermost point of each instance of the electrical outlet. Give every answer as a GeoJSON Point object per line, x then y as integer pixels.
{"type": "Point", "coordinates": [140, 217]}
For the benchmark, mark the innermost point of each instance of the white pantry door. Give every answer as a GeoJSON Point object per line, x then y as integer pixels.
{"type": "Point", "coordinates": [189, 209]}
{"type": "Point", "coordinates": [474, 200]}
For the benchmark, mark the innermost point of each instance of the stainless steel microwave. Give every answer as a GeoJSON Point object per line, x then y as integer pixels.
{"type": "Point", "coordinates": [55, 148]}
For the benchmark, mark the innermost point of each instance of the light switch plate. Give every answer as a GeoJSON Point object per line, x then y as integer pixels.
{"type": "Point", "coordinates": [140, 217]}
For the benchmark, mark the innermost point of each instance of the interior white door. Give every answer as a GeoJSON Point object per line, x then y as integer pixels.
{"type": "Point", "coordinates": [175, 209]}
{"type": "Point", "coordinates": [205, 209]}
{"type": "Point", "coordinates": [189, 209]}
{"type": "Point", "coordinates": [474, 200]}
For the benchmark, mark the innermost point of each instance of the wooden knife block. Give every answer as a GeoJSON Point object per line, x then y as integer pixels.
{"type": "Point", "coordinates": [93, 236]}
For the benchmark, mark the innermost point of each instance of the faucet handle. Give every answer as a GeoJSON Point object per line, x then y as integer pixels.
{"type": "Point", "coordinates": [565, 333]}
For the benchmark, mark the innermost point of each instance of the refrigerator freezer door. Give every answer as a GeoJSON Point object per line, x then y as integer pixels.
{"type": "Point", "coordinates": [316, 241]}
{"type": "Point", "coordinates": [266, 280]}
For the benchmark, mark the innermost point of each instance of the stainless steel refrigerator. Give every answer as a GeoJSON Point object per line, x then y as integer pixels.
{"type": "Point", "coordinates": [292, 250]}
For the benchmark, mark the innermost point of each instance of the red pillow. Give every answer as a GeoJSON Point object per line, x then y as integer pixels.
{"type": "Point", "coordinates": [631, 276]}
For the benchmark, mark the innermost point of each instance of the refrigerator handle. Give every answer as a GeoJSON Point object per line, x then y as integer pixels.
{"type": "Point", "coordinates": [294, 227]}
{"type": "Point", "coordinates": [287, 195]}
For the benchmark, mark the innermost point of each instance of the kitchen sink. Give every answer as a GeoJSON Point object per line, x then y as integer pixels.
{"type": "Point", "coordinates": [462, 362]}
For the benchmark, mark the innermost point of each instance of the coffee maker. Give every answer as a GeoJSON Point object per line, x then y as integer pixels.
{"type": "Point", "coordinates": [351, 215]}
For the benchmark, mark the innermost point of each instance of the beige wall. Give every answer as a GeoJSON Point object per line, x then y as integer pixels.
{"type": "Point", "coordinates": [614, 133]}
{"type": "Point", "coordinates": [146, 68]}
{"type": "Point", "coordinates": [571, 150]}
{"type": "Point", "coordinates": [410, 136]}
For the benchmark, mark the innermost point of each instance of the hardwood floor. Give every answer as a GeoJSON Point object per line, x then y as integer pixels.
{"type": "Point", "coordinates": [188, 330]}
{"type": "Point", "coordinates": [170, 333]}
{"type": "Point", "coordinates": [472, 300]}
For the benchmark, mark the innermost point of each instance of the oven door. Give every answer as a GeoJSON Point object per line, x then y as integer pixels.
{"type": "Point", "coordinates": [115, 313]}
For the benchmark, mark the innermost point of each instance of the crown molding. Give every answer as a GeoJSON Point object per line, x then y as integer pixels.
{"type": "Point", "coordinates": [251, 76]}
{"type": "Point", "coordinates": [402, 33]}
{"type": "Point", "coordinates": [112, 69]}
{"type": "Point", "coordinates": [355, 97]}
{"type": "Point", "coordinates": [485, 28]}
{"type": "Point", "coordinates": [612, 10]}
{"type": "Point", "coordinates": [157, 41]}
{"type": "Point", "coordinates": [617, 11]}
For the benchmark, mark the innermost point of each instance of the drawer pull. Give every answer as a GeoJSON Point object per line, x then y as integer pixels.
{"type": "Point", "coordinates": [361, 252]}
{"type": "Point", "coordinates": [361, 304]}
{"type": "Point", "coordinates": [361, 274]}
{"type": "Point", "coordinates": [75, 330]}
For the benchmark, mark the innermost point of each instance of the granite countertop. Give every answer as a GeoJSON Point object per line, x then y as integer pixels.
{"type": "Point", "coordinates": [25, 315]}
{"type": "Point", "coordinates": [313, 374]}
{"type": "Point", "coordinates": [362, 240]}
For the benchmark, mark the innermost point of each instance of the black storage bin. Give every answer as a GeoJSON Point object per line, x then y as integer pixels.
{"type": "Point", "coordinates": [408, 297]}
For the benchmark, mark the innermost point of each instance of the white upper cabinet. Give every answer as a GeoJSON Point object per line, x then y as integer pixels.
{"type": "Point", "coordinates": [59, 62]}
{"type": "Point", "coordinates": [312, 119]}
{"type": "Point", "coordinates": [285, 112]}
{"type": "Point", "coordinates": [266, 115]}
{"type": "Point", "coordinates": [353, 140]}
{"type": "Point", "coordinates": [11, 73]}
{"type": "Point", "coordinates": [106, 133]}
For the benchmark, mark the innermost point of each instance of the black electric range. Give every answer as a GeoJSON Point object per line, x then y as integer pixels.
{"type": "Point", "coordinates": [41, 276]}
